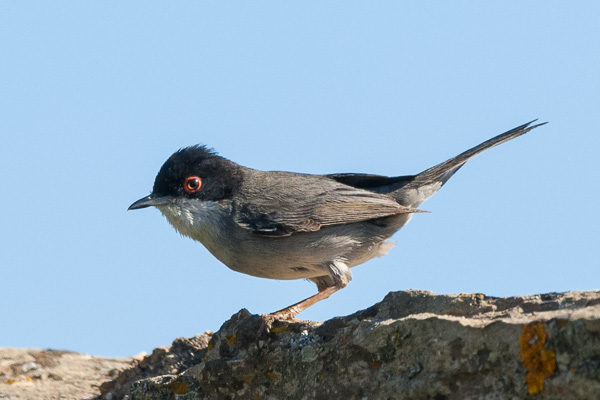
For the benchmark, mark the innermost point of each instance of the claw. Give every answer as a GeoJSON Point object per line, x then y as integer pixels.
{"type": "Point", "coordinates": [289, 313]}
{"type": "Point", "coordinates": [267, 320]}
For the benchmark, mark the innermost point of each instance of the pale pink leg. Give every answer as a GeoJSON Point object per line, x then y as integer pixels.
{"type": "Point", "coordinates": [293, 310]}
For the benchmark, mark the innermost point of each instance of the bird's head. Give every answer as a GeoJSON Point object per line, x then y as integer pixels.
{"type": "Point", "coordinates": [192, 174]}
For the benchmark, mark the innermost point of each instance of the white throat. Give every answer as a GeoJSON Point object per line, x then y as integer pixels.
{"type": "Point", "coordinates": [194, 218]}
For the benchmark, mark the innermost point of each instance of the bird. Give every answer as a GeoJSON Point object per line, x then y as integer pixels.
{"type": "Point", "coordinates": [285, 225]}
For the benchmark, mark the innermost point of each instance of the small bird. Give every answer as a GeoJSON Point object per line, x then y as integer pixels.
{"type": "Point", "coordinates": [285, 225]}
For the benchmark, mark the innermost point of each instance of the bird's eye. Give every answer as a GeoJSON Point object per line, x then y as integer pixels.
{"type": "Point", "coordinates": [192, 184]}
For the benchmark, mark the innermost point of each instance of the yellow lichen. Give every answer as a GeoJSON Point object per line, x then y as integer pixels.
{"type": "Point", "coordinates": [179, 388]}
{"type": "Point", "coordinates": [282, 328]}
{"type": "Point", "coordinates": [271, 374]}
{"type": "Point", "coordinates": [248, 378]}
{"type": "Point", "coordinates": [230, 339]}
{"type": "Point", "coordinates": [540, 362]}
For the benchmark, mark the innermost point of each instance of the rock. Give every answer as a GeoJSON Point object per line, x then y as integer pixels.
{"type": "Point", "coordinates": [181, 355]}
{"type": "Point", "coordinates": [34, 374]}
{"type": "Point", "coordinates": [413, 344]}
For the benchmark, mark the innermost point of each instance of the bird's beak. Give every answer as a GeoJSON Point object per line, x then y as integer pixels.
{"type": "Point", "coordinates": [152, 200]}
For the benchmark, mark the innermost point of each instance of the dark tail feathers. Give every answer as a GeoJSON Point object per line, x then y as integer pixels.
{"type": "Point", "coordinates": [426, 183]}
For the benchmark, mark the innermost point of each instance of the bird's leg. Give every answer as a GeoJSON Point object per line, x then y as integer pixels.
{"type": "Point", "coordinates": [295, 309]}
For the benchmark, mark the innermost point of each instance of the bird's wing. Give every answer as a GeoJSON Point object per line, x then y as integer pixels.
{"type": "Point", "coordinates": [280, 204]}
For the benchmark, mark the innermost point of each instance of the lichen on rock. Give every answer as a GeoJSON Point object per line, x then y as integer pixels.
{"type": "Point", "coordinates": [413, 344]}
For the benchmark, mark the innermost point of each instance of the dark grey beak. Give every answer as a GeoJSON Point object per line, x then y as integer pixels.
{"type": "Point", "coordinates": [151, 201]}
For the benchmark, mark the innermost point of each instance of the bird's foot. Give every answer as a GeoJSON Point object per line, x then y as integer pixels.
{"type": "Point", "coordinates": [267, 320]}
{"type": "Point", "coordinates": [289, 313]}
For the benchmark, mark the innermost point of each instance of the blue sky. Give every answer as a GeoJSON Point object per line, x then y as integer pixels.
{"type": "Point", "coordinates": [94, 96]}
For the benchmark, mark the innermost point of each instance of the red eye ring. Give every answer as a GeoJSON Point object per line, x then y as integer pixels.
{"type": "Point", "coordinates": [192, 184]}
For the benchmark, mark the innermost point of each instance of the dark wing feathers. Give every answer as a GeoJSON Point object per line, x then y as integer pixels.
{"type": "Point", "coordinates": [368, 181]}
{"type": "Point", "coordinates": [284, 203]}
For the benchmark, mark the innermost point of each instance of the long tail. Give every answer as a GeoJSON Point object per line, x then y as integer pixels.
{"type": "Point", "coordinates": [426, 183]}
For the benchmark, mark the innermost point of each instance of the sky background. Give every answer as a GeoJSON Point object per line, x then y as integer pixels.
{"type": "Point", "coordinates": [95, 96]}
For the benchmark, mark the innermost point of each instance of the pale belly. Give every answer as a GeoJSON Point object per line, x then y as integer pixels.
{"type": "Point", "coordinates": [298, 256]}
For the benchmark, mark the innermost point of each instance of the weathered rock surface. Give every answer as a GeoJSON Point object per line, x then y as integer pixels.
{"type": "Point", "coordinates": [412, 345]}
{"type": "Point", "coordinates": [184, 353]}
{"type": "Point", "coordinates": [34, 374]}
